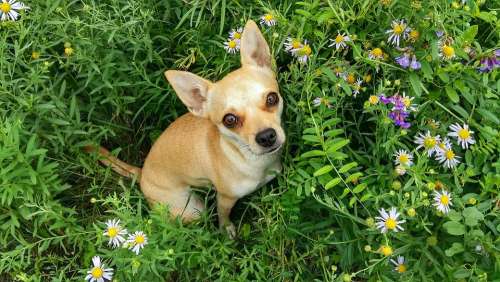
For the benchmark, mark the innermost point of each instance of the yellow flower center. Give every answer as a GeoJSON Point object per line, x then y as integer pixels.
{"type": "Point", "coordinates": [390, 223]}
{"type": "Point", "coordinates": [97, 272]}
{"type": "Point", "coordinates": [448, 51]}
{"type": "Point", "coordinates": [407, 102]}
{"type": "Point", "coordinates": [373, 99]}
{"type": "Point", "coordinates": [398, 28]}
{"type": "Point", "coordinates": [5, 7]}
{"type": "Point", "coordinates": [237, 35]}
{"type": "Point", "coordinates": [232, 44]}
{"type": "Point", "coordinates": [403, 158]}
{"type": "Point", "coordinates": [386, 250]}
{"type": "Point", "coordinates": [296, 44]}
{"type": "Point", "coordinates": [139, 239]}
{"type": "Point", "coordinates": [463, 133]}
{"type": "Point", "coordinates": [112, 232]}
{"type": "Point", "coordinates": [429, 142]}
{"type": "Point", "coordinates": [268, 17]}
{"type": "Point", "coordinates": [350, 78]}
{"type": "Point", "coordinates": [306, 50]}
{"type": "Point", "coordinates": [449, 154]}
{"type": "Point", "coordinates": [377, 52]}
{"type": "Point", "coordinates": [339, 38]}
{"type": "Point", "coordinates": [445, 200]}
{"type": "Point", "coordinates": [414, 34]}
{"type": "Point", "coordinates": [401, 268]}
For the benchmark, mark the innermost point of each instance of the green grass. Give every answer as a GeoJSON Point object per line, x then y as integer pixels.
{"type": "Point", "coordinates": [54, 199]}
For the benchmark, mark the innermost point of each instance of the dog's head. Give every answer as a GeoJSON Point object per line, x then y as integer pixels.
{"type": "Point", "coordinates": [245, 105]}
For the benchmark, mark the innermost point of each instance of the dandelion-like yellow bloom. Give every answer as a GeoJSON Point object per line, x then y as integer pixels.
{"type": "Point", "coordinates": [68, 51]}
{"type": "Point", "coordinates": [373, 99]}
{"type": "Point", "coordinates": [386, 250]}
{"type": "Point", "coordinates": [414, 35]}
{"type": "Point", "coordinates": [351, 79]}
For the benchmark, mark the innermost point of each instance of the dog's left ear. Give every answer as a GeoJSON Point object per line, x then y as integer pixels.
{"type": "Point", "coordinates": [254, 49]}
{"type": "Point", "coordinates": [191, 89]}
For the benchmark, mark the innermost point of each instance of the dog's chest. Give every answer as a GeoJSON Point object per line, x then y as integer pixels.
{"type": "Point", "coordinates": [252, 178]}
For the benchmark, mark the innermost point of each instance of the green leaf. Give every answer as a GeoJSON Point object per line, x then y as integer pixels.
{"type": "Point", "coordinates": [488, 115]}
{"type": "Point", "coordinates": [332, 183]}
{"type": "Point", "coordinates": [454, 215]}
{"type": "Point", "coordinates": [311, 138]}
{"type": "Point", "coordinates": [323, 170]}
{"type": "Point", "coordinates": [472, 216]}
{"type": "Point", "coordinates": [454, 228]}
{"type": "Point", "coordinates": [336, 146]}
{"type": "Point", "coordinates": [329, 73]}
{"type": "Point", "coordinates": [470, 33]}
{"type": "Point", "coordinates": [359, 188]}
{"type": "Point", "coordinates": [416, 84]}
{"type": "Point", "coordinates": [313, 153]}
{"type": "Point", "coordinates": [452, 94]}
{"type": "Point", "coordinates": [347, 167]}
{"type": "Point", "coordinates": [354, 176]}
{"type": "Point", "coordinates": [456, 248]}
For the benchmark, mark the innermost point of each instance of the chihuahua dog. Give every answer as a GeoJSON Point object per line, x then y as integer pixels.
{"type": "Point", "coordinates": [231, 138]}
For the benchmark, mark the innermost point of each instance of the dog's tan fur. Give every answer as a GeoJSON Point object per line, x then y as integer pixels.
{"type": "Point", "coordinates": [198, 150]}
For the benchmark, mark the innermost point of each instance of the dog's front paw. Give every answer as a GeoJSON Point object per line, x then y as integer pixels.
{"type": "Point", "coordinates": [230, 230]}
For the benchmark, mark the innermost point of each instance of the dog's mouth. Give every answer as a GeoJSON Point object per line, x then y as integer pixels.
{"type": "Point", "coordinates": [273, 150]}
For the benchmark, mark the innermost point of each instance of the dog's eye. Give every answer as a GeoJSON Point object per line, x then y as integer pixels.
{"type": "Point", "coordinates": [272, 99]}
{"type": "Point", "coordinates": [230, 120]}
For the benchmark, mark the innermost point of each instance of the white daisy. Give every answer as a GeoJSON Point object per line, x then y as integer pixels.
{"type": "Point", "coordinates": [398, 29]}
{"type": "Point", "coordinates": [137, 241]}
{"type": "Point", "coordinates": [444, 145]}
{"type": "Point", "coordinates": [357, 87]}
{"type": "Point", "coordinates": [376, 53]}
{"type": "Point", "coordinates": [115, 232]}
{"type": "Point", "coordinates": [304, 53]}
{"type": "Point", "coordinates": [317, 101]}
{"type": "Point", "coordinates": [400, 170]}
{"type": "Point", "coordinates": [99, 273]}
{"type": "Point", "coordinates": [442, 201]}
{"type": "Point", "coordinates": [407, 102]}
{"type": "Point", "coordinates": [340, 41]}
{"type": "Point", "coordinates": [232, 46]}
{"type": "Point", "coordinates": [236, 33]}
{"type": "Point", "coordinates": [463, 135]}
{"type": "Point", "coordinates": [399, 264]}
{"type": "Point", "coordinates": [389, 221]}
{"type": "Point", "coordinates": [446, 51]}
{"type": "Point", "coordinates": [428, 142]}
{"type": "Point", "coordinates": [448, 158]}
{"type": "Point", "coordinates": [403, 158]}
{"type": "Point", "coordinates": [268, 19]}
{"type": "Point", "coordinates": [9, 9]}
{"type": "Point", "coordinates": [293, 45]}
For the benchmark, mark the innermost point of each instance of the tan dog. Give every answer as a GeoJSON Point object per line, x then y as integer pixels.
{"type": "Point", "coordinates": [231, 138]}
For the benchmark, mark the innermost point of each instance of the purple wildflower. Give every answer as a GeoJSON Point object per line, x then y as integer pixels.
{"type": "Point", "coordinates": [403, 61]}
{"type": "Point", "coordinates": [397, 101]}
{"type": "Point", "coordinates": [399, 118]}
{"type": "Point", "coordinates": [439, 33]}
{"type": "Point", "coordinates": [491, 62]}
{"type": "Point", "coordinates": [415, 65]}
{"type": "Point", "coordinates": [384, 99]}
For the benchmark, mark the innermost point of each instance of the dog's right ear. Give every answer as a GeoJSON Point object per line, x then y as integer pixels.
{"type": "Point", "coordinates": [191, 89]}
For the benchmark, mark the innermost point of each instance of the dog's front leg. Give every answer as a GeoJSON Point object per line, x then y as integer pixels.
{"type": "Point", "coordinates": [224, 205]}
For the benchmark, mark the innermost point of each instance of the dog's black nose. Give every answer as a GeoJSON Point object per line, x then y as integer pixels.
{"type": "Point", "coordinates": [266, 138]}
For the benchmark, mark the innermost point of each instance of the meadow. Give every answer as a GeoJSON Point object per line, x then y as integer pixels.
{"type": "Point", "coordinates": [391, 166]}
